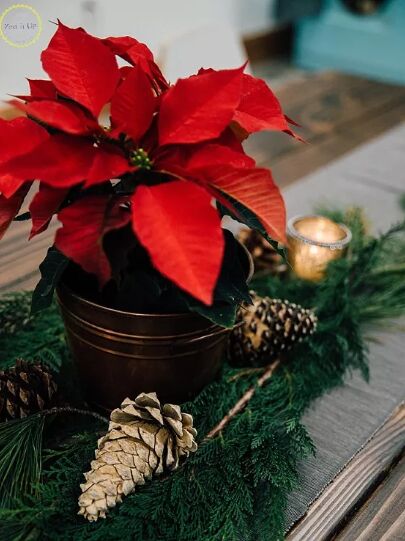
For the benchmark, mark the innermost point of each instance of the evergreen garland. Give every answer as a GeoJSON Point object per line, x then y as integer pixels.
{"type": "Point", "coordinates": [235, 487]}
{"type": "Point", "coordinates": [15, 312]}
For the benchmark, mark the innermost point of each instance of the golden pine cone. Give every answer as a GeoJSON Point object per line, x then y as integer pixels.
{"type": "Point", "coordinates": [143, 439]}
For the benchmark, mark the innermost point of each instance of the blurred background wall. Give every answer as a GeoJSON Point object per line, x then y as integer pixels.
{"type": "Point", "coordinates": [363, 37]}
{"type": "Point", "coordinates": [159, 23]}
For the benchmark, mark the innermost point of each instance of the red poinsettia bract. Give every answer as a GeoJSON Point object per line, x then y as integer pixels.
{"type": "Point", "coordinates": [175, 147]}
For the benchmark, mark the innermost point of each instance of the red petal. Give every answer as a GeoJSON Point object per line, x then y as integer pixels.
{"type": "Point", "coordinates": [229, 139]}
{"type": "Point", "coordinates": [121, 45]}
{"type": "Point", "coordinates": [81, 67]}
{"type": "Point", "coordinates": [174, 161]}
{"type": "Point", "coordinates": [63, 161]}
{"type": "Point", "coordinates": [10, 207]}
{"type": "Point", "coordinates": [151, 69]}
{"type": "Point", "coordinates": [42, 89]}
{"type": "Point", "coordinates": [256, 190]}
{"type": "Point", "coordinates": [44, 205]}
{"type": "Point", "coordinates": [64, 116]}
{"type": "Point", "coordinates": [17, 137]}
{"type": "Point", "coordinates": [137, 53]}
{"type": "Point", "coordinates": [259, 109]}
{"type": "Point", "coordinates": [192, 161]}
{"type": "Point", "coordinates": [133, 104]}
{"type": "Point", "coordinates": [108, 163]}
{"type": "Point", "coordinates": [200, 107]}
{"type": "Point", "coordinates": [84, 225]}
{"type": "Point", "coordinates": [291, 121]}
{"type": "Point", "coordinates": [9, 184]}
{"type": "Point", "coordinates": [182, 233]}
{"type": "Point", "coordinates": [213, 154]}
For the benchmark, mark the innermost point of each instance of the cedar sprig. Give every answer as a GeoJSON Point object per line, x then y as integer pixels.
{"type": "Point", "coordinates": [236, 486]}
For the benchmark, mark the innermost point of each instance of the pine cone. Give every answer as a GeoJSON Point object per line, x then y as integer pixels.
{"type": "Point", "coordinates": [25, 389]}
{"type": "Point", "coordinates": [268, 328]}
{"type": "Point", "coordinates": [264, 255]}
{"type": "Point", "coordinates": [143, 439]}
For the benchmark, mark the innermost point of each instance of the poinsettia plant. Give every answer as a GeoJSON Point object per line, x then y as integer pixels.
{"type": "Point", "coordinates": [135, 197]}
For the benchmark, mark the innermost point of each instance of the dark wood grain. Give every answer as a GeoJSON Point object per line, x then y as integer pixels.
{"type": "Point", "coordinates": [20, 258]}
{"type": "Point", "coordinates": [340, 498]}
{"type": "Point", "coordinates": [382, 517]}
{"type": "Point", "coordinates": [337, 112]}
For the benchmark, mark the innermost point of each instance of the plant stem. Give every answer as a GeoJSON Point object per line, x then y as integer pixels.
{"type": "Point", "coordinates": [68, 409]}
{"type": "Point", "coordinates": [241, 403]}
{"type": "Point", "coordinates": [53, 342]}
{"type": "Point", "coordinates": [243, 373]}
{"type": "Point", "coordinates": [388, 269]}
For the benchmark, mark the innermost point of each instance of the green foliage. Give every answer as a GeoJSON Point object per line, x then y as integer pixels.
{"type": "Point", "coordinates": [23, 217]}
{"type": "Point", "coordinates": [20, 458]}
{"type": "Point", "coordinates": [231, 289]}
{"type": "Point", "coordinates": [245, 216]}
{"type": "Point", "coordinates": [40, 339]}
{"type": "Point", "coordinates": [139, 287]}
{"type": "Point", "coordinates": [235, 487]}
{"type": "Point", "coordinates": [51, 270]}
{"type": "Point", "coordinates": [14, 312]}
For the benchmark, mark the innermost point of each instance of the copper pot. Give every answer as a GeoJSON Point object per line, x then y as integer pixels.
{"type": "Point", "coordinates": [120, 354]}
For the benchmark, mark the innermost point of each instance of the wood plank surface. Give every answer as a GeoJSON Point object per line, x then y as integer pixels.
{"type": "Point", "coordinates": [382, 517]}
{"type": "Point", "coordinates": [373, 177]}
{"type": "Point", "coordinates": [337, 113]}
{"type": "Point", "coordinates": [338, 501]}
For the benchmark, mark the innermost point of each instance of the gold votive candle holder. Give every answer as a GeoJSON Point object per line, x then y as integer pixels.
{"type": "Point", "coordinates": [314, 241]}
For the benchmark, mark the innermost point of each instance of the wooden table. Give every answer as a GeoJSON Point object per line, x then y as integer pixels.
{"type": "Point", "coordinates": [366, 499]}
{"type": "Point", "coordinates": [359, 429]}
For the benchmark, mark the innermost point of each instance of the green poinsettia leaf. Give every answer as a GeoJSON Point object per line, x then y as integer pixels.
{"type": "Point", "coordinates": [139, 291]}
{"type": "Point", "coordinates": [220, 313]}
{"type": "Point", "coordinates": [231, 286]}
{"type": "Point", "coordinates": [51, 270]}
{"type": "Point", "coordinates": [231, 289]}
{"type": "Point", "coordinates": [23, 217]}
{"type": "Point", "coordinates": [247, 217]}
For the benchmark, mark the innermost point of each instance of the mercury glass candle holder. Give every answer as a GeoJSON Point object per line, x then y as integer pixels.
{"type": "Point", "coordinates": [314, 241]}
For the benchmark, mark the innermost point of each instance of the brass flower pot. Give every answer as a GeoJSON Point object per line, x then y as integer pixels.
{"type": "Point", "coordinates": [120, 354]}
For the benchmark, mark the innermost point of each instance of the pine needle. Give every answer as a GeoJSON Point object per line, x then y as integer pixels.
{"type": "Point", "coordinates": [236, 486]}
{"type": "Point", "coordinates": [14, 312]}
{"type": "Point", "coordinates": [20, 458]}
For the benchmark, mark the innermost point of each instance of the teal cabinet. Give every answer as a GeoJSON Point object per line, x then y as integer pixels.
{"type": "Point", "coordinates": [371, 45]}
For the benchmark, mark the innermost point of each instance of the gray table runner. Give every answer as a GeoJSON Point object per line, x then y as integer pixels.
{"type": "Point", "coordinates": [341, 422]}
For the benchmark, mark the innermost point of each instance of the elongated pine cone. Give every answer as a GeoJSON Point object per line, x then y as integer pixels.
{"type": "Point", "coordinates": [25, 388]}
{"type": "Point", "coordinates": [144, 439]}
{"type": "Point", "coordinates": [267, 328]}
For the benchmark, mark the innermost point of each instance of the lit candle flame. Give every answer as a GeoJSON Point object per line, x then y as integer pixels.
{"type": "Point", "coordinates": [314, 241]}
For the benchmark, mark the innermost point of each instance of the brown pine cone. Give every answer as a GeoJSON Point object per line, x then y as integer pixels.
{"type": "Point", "coordinates": [25, 389]}
{"type": "Point", "coordinates": [267, 328]}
